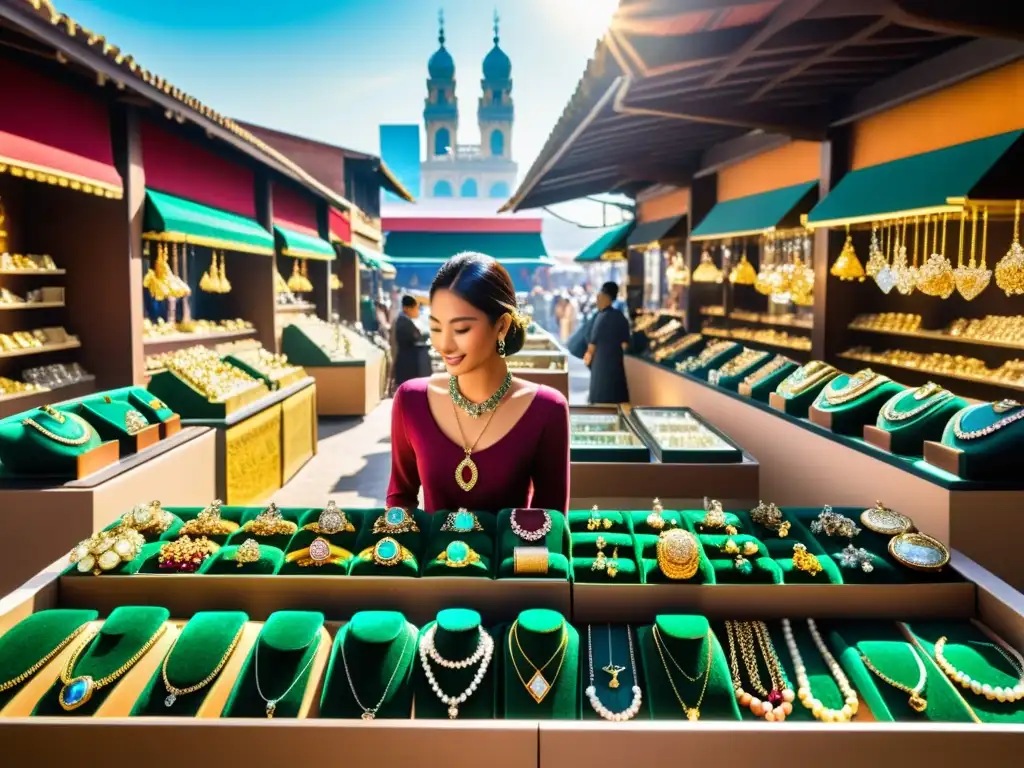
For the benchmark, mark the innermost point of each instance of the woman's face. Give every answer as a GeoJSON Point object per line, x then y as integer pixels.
{"type": "Point", "coordinates": [462, 334]}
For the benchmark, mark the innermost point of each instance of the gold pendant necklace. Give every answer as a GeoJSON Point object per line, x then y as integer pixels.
{"type": "Point", "coordinates": [692, 713]}
{"type": "Point", "coordinates": [467, 462]}
{"type": "Point", "coordinates": [856, 386]}
{"type": "Point", "coordinates": [538, 686]}
{"type": "Point", "coordinates": [931, 393]}
{"type": "Point", "coordinates": [1001, 407]}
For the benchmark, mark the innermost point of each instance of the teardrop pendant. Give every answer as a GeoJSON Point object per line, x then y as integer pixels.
{"type": "Point", "coordinates": [474, 474]}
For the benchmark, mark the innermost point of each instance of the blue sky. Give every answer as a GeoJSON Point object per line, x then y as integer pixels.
{"type": "Point", "coordinates": [335, 70]}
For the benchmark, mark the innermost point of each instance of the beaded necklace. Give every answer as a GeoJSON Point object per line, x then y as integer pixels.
{"type": "Point", "coordinates": [476, 410]}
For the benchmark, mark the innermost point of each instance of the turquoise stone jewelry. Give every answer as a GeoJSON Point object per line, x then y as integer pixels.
{"type": "Point", "coordinates": [461, 521]}
{"type": "Point", "coordinates": [394, 521]}
{"type": "Point", "coordinates": [386, 552]}
{"type": "Point", "coordinates": [78, 690]}
{"type": "Point", "coordinates": [476, 410]}
{"type": "Point", "coordinates": [1003, 406]}
{"type": "Point", "coordinates": [458, 554]}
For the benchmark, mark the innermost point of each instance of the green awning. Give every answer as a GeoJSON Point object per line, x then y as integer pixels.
{"type": "Point", "coordinates": [920, 184]}
{"type": "Point", "coordinates": [176, 220]}
{"type": "Point", "coordinates": [540, 261]}
{"type": "Point", "coordinates": [753, 214]}
{"type": "Point", "coordinates": [659, 229]}
{"type": "Point", "coordinates": [503, 246]}
{"type": "Point", "coordinates": [374, 260]}
{"type": "Point", "coordinates": [608, 247]}
{"type": "Point", "coordinates": [300, 245]}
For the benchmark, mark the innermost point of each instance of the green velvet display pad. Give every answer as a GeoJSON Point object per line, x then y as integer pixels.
{"type": "Point", "coordinates": [727, 354]}
{"type": "Point", "coordinates": [585, 544]}
{"type": "Point", "coordinates": [763, 389]}
{"type": "Point", "coordinates": [223, 563]}
{"type": "Point", "coordinates": [414, 541]}
{"type": "Point", "coordinates": [234, 514]}
{"type": "Point", "coordinates": [823, 685]}
{"type": "Point", "coordinates": [610, 646]}
{"type": "Point", "coordinates": [764, 570]}
{"type": "Point", "coordinates": [457, 638]}
{"type": "Point", "coordinates": [991, 457]}
{"type": "Point", "coordinates": [109, 420]}
{"type": "Point", "coordinates": [889, 651]}
{"type": "Point", "coordinates": [684, 638]}
{"type": "Point", "coordinates": [627, 573]}
{"type": "Point", "coordinates": [286, 645]}
{"type": "Point", "coordinates": [148, 551]}
{"type": "Point", "coordinates": [196, 652]}
{"type": "Point", "coordinates": [25, 450]}
{"type": "Point", "coordinates": [540, 632]}
{"type": "Point", "coordinates": [302, 539]}
{"type": "Point", "coordinates": [972, 652]}
{"type": "Point", "coordinates": [886, 569]}
{"type": "Point", "coordinates": [139, 398]}
{"type": "Point", "coordinates": [279, 540]}
{"type": "Point", "coordinates": [481, 542]}
{"type": "Point", "coordinates": [148, 561]}
{"type": "Point", "coordinates": [254, 372]}
{"type": "Point", "coordinates": [621, 522]}
{"type": "Point", "coordinates": [32, 639]}
{"type": "Point", "coordinates": [377, 644]}
{"type": "Point", "coordinates": [798, 405]}
{"type": "Point", "coordinates": [169, 388]}
{"type": "Point", "coordinates": [125, 631]}
{"type": "Point", "coordinates": [584, 555]}
{"type": "Point", "coordinates": [849, 418]}
{"type": "Point", "coordinates": [643, 533]}
{"type": "Point", "coordinates": [906, 438]}
{"type": "Point", "coordinates": [732, 383]}
{"type": "Point", "coordinates": [302, 350]}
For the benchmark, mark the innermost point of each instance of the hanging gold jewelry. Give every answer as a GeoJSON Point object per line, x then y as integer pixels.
{"type": "Point", "coordinates": [876, 257]}
{"type": "Point", "coordinates": [973, 279]}
{"type": "Point", "coordinates": [1010, 269]}
{"type": "Point", "coordinates": [208, 282]}
{"type": "Point", "coordinates": [222, 279]}
{"type": "Point", "coordinates": [707, 271]}
{"type": "Point", "coordinates": [743, 273]}
{"type": "Point", "coordinates": [848, 266]}
{"type": "Point", "coordinates": [905, 273]}
{"type": "Point", "coordinates": [935, 278]}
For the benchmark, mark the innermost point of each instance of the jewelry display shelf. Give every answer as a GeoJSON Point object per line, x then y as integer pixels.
{"type": "Point", "coordinates": [24, 401]}
{"type": "Point", "coordinates": [47, 518]}
{"type": "Point", "coordinates": [725, 333]}
{"type": "Point", "coordinates": [303, 307]}
{"type": "Point", "coordinates": [939, 336]}
{"type": "Point", "coordinates": [33, 271]}
{"type": "Point", "coordinates": [804, 465]}
{"type": "Point", "coordinates": [31, 305]}
{"type": "Point", "coordinates": [174, 341]}
{"type": "Point", "coordinates": [927, 373]}
{"type": "Point", "coordinates": [42, 350]}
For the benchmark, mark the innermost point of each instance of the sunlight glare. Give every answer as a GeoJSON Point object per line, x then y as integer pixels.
{"type": "Point", "coordinates": [589, 18]}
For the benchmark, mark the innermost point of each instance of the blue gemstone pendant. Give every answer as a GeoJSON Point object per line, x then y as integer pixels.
{"type": "Point", "coordinates": [76, 693]}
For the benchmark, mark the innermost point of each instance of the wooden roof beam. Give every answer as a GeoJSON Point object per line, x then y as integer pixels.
{"type": "Point", "coordinates": [981, 18]}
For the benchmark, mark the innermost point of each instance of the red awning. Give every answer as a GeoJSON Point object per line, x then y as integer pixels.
{"type": "Point", "coordinates": [187, 169]}
{"type": "Point", "coordinates": [294, 210]}
{"type": "Point", "coordinates": [340, 225]}
{"type": "Point", "coordinates": [54, 133]}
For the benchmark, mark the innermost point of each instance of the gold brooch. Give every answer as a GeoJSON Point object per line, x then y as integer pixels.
{"type": "Point", "coordinates": [805, 561]}
{"type": "Point", "coordinates": [270, 522]}
{"type": "Point", "coordinates": [247, 552]}
{"type": "Point", "coordinates": [148, 518]}
{"type": "Point", "coordinates": [209, 523]}
{"type": "Point", "coordinates": [770, 516]}
{"type": "Point", "coordinates": [678, 554]}
{"type": "Point", "coordinates": [395, 520]}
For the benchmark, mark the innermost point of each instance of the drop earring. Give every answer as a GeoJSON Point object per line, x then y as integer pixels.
{"type": "Point", "coordinates": [501, 347]}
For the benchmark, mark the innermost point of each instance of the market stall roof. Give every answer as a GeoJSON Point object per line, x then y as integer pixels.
{"type": "Point", "coordinates": [174, 219]}
{"type": "Point", "coordinates": [659, 229]}
{"type": "Point", "coordinates": [440, 246]}
{"type": "Point", "coordinates": [673, 78]}
{"type": "Point", "coordinates": [375, 260]}
{"type": "Point", "coordinates": [610, 246]}
{"type": "Point", "coordinates": [302, 245]}
{"type": "Point", "coordinates": [754, 214]}
{"type": "Point", "coordinates": [931, 182]}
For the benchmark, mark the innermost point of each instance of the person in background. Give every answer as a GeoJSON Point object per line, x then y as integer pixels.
{"type": "Point", "coordinates": [410, 348]}
{"type": "Point", "coordinates": [609, 339]}
{"type": "Point", "coordinates": [568, 319]}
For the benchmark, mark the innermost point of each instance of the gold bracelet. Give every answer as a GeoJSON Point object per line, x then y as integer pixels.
{"type": "Point", "coordinates": [530, 561]}
{"type": "Point", "coordinates": [319, 552]}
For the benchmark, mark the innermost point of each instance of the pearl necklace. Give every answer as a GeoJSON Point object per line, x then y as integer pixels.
{"type": "Point", "coordinates": [1010, 693]}
{"type": "Point", "coordinates": [777, 704]}
{"type": "Point", "coordinates": [634, 706]}
{"type": "Point", "coordinates": [803, 692]}
{"type": "Point", "coordinates": [484, 651]}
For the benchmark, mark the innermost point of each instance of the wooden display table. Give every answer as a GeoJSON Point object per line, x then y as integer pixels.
{"type": "Point", "coordinates": [42, 521]}
{"type": "Point", "coordinates": [252, 459]}
{"type": "Point", "coordinates": [349, 388]}
{"type": "Point", "coordinates": [804, 465]}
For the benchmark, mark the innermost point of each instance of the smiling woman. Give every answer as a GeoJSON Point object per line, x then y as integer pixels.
{"type": "Point", "coordinates": [477, 437]}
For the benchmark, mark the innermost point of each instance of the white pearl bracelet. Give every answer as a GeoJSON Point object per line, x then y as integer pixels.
{"type": "Point", "coordinates": [804, 693]}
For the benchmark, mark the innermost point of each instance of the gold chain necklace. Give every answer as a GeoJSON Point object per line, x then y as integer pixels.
{"type": "Point", "coordinates": [692, 713]}
{"type": "Point", "coordinates": [764, 372]}
{"type": "Point", "coordinates": [467, 462]}
{"type": "Point", "coordinates": [78, 690]}
{"type": "Point", "coordinates": [932, 394]}
{"type": "Point", "coordinates": [72, 441]}
{"type": "Point", "coordinates": [916, 701]}
{"type": "Point", "coordinates": [16, 681]}
{"type": "Point", "coordinates": [855, 387]}
{"type": "Point", "coordinates": [173, 692]}
{"type": "Point", "coordinates": [1001, 407]}
{"type": "Point", "coordinates": [804, 378]}
{"type": "Point", "coordinates": [538, 687]}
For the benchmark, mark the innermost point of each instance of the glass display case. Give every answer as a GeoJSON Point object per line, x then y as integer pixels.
{"type": "Point", "coordinates": [604, 434]}
{"type": "Point", "coordinates": [335, 342]}
{"type": "Point", "coordinates": [679, 436]}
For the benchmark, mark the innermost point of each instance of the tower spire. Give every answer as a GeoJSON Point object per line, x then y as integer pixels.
{"type": "Point", "coordinates": [496, 20]}
{"type": "Point", "coordinates": [440, 26]}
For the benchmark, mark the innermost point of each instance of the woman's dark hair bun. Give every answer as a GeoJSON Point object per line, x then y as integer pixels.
{"type": "Point", "coordinates": [484, 283]}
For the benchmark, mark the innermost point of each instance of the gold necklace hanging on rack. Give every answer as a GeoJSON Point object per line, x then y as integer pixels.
{"type": "Point", "coordinates": [762, 283]}
{"type": "Point", "coordinates": [707, 271]}
{"type": "Point", "coordinates": [936, 276]}
{"type": "Point", "coordinates": [210, 281]}
{"type": "Point", "coordinates": [177, 287]}
{"type": "Point", "coordinates": [884, 278]}
{"type": "Point", "coordinates": [848, 266]}
{"type": "Point", "coordinates": [155, 280]}
{"type": "Point", "coordinates": [225, 284]}
{"type": "Point", "coordinates": [1010, 269]}
{"type": "Point", "coordinates": [904, 272]}
{"type": "Point", "coordinates": [974, 278]}
{"type": "Point", "coordinates": [876, 256]}
{"type": "Point", "coordinates": [743, 273]}
{"type": "Point", "coordinates": [801, 281]}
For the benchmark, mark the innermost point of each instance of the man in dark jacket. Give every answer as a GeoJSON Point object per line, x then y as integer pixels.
{"type": "Point", "coordinates": [411, 357]}
{"type": "Point", "coordinates": [609, 338]}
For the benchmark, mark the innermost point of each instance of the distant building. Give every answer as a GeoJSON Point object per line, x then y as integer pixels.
{"type": "Point", "coordinates": [400, 144]}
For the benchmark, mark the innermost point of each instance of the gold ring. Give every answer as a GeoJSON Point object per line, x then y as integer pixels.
{"type": "Point", "coordinates": [458, 554]}
{"type": "Point", "coordinates": [209, 523]}
{"type": "Point", "coordinates": [332, 520]}
{"type": "Point", "coordinates": [148, 518]}
{"type": "Point", "coordinates": [248, 552]}
{"type": "Point", "coordinates": [319, 552]}
{"type": "Point", "coordinates": [270, 522]}
{"type": "Point", "coordinates": [805, 561]}
{"type": "Point", "coordinates": [461, 521]}
{"type": "Point", "coordinates": [395, 520]}
{"type": "Point", "coordinates": [386, 552]}
{"type": "Point", "coordinates": [678, 554]}
{"type": "Point", "coordinates": [530, 561]}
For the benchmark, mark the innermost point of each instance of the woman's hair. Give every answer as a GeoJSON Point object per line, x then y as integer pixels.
{"type": "Point", "coordinates": [484, 283]}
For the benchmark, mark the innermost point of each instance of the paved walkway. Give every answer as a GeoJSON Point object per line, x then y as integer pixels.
{"type": "Point", "coordinates": [354, 460]}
